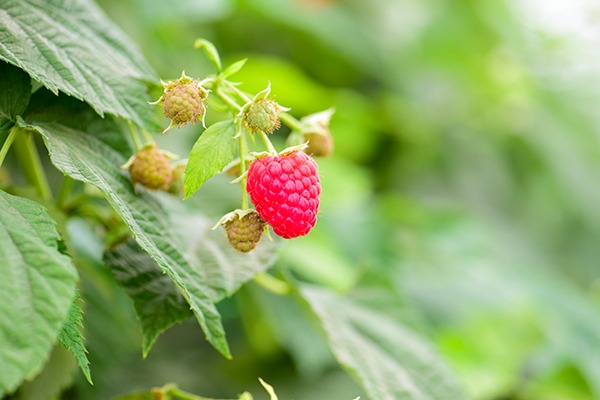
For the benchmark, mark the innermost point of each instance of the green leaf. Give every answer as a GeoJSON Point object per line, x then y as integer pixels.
{"type": "Point", "coordinates": [15, 91]}
{"type": "Point", "coordinates": [71, 46]}
{"type": "Point", "coordinates": [36, 289]}
{"type": "Point", "coordinates": [157, 301]}
{"type": "Point", "coordinates": [213, 150]}
{"type": "Point", "coordinates": [87, 159]}
{"type": "Point", "coordinates": [70, 336]}
{"type": "Point", "coordinates": [233, 68]}
{"type": "Point", "coordinates": [388, 360]}
{"type": "Point", "coordinates": [211, 52]}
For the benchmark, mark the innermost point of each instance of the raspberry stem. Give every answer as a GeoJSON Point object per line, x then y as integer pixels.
{"type": "Point", "coordinates": [30, 161]}
{"type": "Point", "coordinates": [272, 284]}
{"type": "Point", "coordinates": [134, 136]}
{"type": "Point", "coordinates": [7, 143]}
{"type": "Point", "coordinates": [243, 151]}
{"type": "Point", "coordinates": [267, 143]}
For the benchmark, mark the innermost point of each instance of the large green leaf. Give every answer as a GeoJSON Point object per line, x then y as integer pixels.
{"type": "Point", "coordinates": [70, 46]}
{"type": "Point", "coordinates": [36, 289]}
{"type": "Point", "coordinates": [157, 301]}
{"type": "Point", "coordinates": [390, 361]}
{"type": "Point", "coordinates": [85, 158]}
{"type": "Point", "coordinates": [213, 150]}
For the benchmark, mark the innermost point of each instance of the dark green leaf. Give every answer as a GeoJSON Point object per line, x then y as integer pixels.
{"type": "Point", "coordinates": [36, 289]}
{"type": "Point", "coordinates": [389, 361]}
{"type": "Point", "coordinates": [70, 46]}
{"type": "Point", "coordinates": [15, 90]}
{"type": "Point", "coordinates": [213, 150]}
{"type": "Point", "coordinates": [70, 336]}
{"type": "Point", "coordinates": [85, 158]}
{"type": "Point", "coordinates": [157, 301]}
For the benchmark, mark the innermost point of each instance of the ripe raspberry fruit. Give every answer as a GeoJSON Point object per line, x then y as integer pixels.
{"type": "Point", "coordinates": [244, 229]}
{"type": "Point", "coordinates": [263, 115]}
{"type": "Point", "coordinates": [285, 191]}
{"type": "Point", "coordinates": [150, 167]}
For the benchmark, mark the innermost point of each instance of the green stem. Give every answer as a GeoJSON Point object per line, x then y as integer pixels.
{"type": "Point", "coordinates": [238, 92]}
{"type": "Point", "coordinates": [148, 139]}
{"type": "Point", "coordinates": [64, 191]}
{"type": "Point", "coordinates": [172, 390]}
{"type": "Point", "coordinates": [272, 284]}
{"type": "Point", "coordinates": [267, 142]}
{"type": "Point", "coordinates": [290, 121]}
{"type": "Point", "coordinates": [243, 151]}
{"type": "Point", "coordinates": [134, 136]}
{"type": "Point", "coordinates": [230, 102]}
{"type": "Point", "coordinates": [31, 164]}
{"type": "Point", "coordinates": [7, 143]}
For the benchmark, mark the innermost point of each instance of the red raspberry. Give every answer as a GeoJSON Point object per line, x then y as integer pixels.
{"type": "Point", "coordinates": [285, 191]}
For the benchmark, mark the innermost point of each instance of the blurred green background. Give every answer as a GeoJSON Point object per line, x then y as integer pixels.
{"type": "Point", "coordinates": [465, 181]}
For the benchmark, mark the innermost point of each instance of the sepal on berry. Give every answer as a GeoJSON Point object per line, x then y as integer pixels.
{"type": "Point", "coordinates": [315, 132]}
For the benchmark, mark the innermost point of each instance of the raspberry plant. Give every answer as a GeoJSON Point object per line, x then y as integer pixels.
{"type": "Point", "coordinates": [107, 198]}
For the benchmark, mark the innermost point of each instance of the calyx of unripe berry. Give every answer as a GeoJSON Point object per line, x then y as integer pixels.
{"type": "Point", "coordinates": [150, 167]}
{"type": "Point", "coordinates": [315, 131]}
{"type": "Point", "coordinates": [183, 101]}
{"type": "Point", "coordinates": [244, 229]}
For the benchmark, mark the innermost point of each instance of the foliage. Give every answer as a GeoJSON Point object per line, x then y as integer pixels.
{"type": "Point", "coordinates": [455, 253]}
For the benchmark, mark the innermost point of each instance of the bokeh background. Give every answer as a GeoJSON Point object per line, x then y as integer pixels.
{"type": "Point", "coordinates": [465, 179]}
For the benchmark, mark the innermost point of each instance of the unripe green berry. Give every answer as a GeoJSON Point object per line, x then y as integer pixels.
{"type": "Point", "coordinates": [263, 115]}
{"type": "Point", "coordinates": [320, 143]}
{"type": "Point", "coordinates": [151, 168]}
{"type": "Point", "coordinates": [176, 186]}
{"type": "Point", "coordinates": [244, 232]}
{"type": "Point", "coordinates": [183, 103]}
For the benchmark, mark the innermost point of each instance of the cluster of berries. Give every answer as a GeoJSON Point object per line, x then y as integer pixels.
{"type": "Point", "coordinates": [284, 188]}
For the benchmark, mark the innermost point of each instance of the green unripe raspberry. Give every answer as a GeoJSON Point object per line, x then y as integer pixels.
{"type": "Point", "coordinates": [263, 115]}
{"type": "Point", "coordinates": [244, 233]}
{"type": "Point", "coordinates": [151, 168]}
{"type": "Point", "coordinates": [183, 102]}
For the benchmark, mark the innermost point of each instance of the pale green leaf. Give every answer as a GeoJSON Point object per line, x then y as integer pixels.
{"type": "Point", "coordinates": [211, 52]}
{"type": "Point", "coordinates": [213, 150]}
{"type": "Point", "coordinates": [15, 90]}
{"type": "Point", "coordinates": [36, 289]}
{"type": "Point", "coordinates": [233, 68]}
{"type": "Point", "coordinates": [70, 336]}
{"type": "Point", "coordinates": [388, 360]}
{"type": "Point", "coordinates": [71, 46]}
{"type": "Point", "coordinates": [85, 158]}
